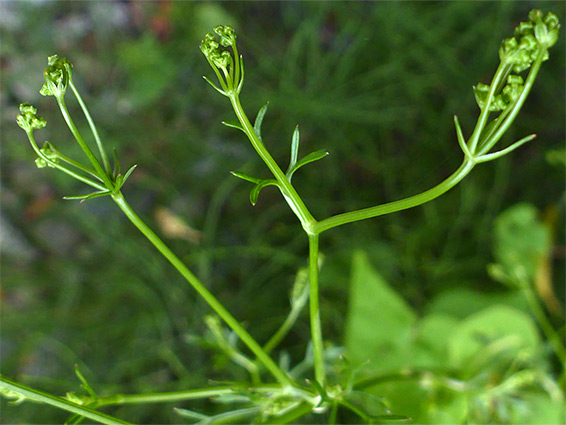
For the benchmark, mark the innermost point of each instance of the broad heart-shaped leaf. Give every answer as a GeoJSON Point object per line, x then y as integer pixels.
{"type": "Point", "coordinates": [488, 326]}
{"type": "Point", "coordinates": [83, 198]}
{"type": "Point", "coordinates": [379, 321]}
{"type": "Point", "coordinates": [254, 193]}
{"type": "Point", "coordinates": [520, 242]}
{"type": "Point", "coordinates": [259, 120]}
{"type": "Point", "coordinates": [311, 157]}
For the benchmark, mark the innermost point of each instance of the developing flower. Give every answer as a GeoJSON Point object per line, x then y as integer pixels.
{"type": "Point", "coordinates": [49, 151]}
{"type": "Point", "coordinates": [509, 94]}
{"type": "Point", "coordinates": [57, 76]}
{"type": "Point", "coordinates": [28, 120]}
{"type": "Point", "coordinates": [541, 32]}
{"type": "Point", "coordinates": [227, 35]}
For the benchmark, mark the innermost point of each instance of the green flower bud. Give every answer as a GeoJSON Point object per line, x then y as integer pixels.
{"type": "Point", "coordinates": [57, 76]}
{"type": "Point", "coordinates": [545, 28]}
{"type": "Point", "coordinates": [208, 44]}
{"type": "Point", "coordinates": [481, 92]}
{"type": "Point", "coordinates": [512, 90]}
{"type": "Point", "coordinates": [521, 50]}
{"type": "Point", "coordinates": [28, 120]}
{"type": "Point", "coordinates": [49, 151]}
{"type": "Point", "coordinates": [227, 35]}
{"type": "Point", "coordinates": [501, 101]}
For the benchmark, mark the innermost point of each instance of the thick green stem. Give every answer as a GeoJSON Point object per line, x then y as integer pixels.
{"type": "Point", "coordinates": [289, 192]}
{"type": "Point", "coordinates": [395, 206]}
{"type": "Point", "coordinates": [246, 338]}
{"type": "Point", "coordinates": [59, 402]}
{"type": "Point", "coordinates": [316, 329]}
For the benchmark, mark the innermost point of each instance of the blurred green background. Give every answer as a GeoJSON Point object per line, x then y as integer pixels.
{"type": "Point", "coordinates": [375, 83]}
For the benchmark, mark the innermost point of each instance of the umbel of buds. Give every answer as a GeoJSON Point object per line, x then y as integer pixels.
{"type": "Point", "coordinates": [28, 120]}
{"type": "Point", "coordinates": [57, 76]}
{"type": "Point", "coordinates": [508, 95]}
{"type": "Point", "coordinates": [538, 34]}
{"type": "Point", "coordinates": [214, 47]}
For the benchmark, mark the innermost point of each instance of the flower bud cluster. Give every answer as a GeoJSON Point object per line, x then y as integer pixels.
{"type": "Point", "coordinates": [49, 151]}
{"type": "Point", "coordinates": [210, 46]}
{"type": "Point", "coordinates": [57, 76]}
{"type": "Point", "coordinates": [28, 120]}
{"type": "Point", "coordinates": [501, 101]}
{"type": "Point", "coordinates": [540, 32]}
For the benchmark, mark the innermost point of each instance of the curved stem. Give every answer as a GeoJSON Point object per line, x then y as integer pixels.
{"type": "Point", "coordinates": [103, 155]}
{"type": "Point", "coordinates": [83, 179]}
{"type": "Point", "coordinates": [246, 338]}
{"type": "Point", "coordinates": [289, 192]}
{"type": "Point", "coordinates": [59, 402]}
{"type": "Point", "coordinates": [288, 323]}
{"type": "Point", "coordinates": [316, 329]}
{"type": "Point", "coordinates": [395, 206]}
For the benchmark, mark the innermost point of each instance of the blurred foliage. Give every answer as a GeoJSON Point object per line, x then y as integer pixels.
{"type": "Point", "coordinates": [377, 85]}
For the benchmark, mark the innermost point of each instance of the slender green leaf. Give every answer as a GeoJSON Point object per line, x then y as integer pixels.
{"type": "Point", "coordinates": [84, 382]}
{"type": "Point", "coordinates": [128, 173]}
{"type": "Point", "coordinates": [186, 413]}
{"type": "Point", "coordinates": [233, 124]}
{"type": "Point", "coordinates": [83, 198]}
{"type": "Point", "coordinates": [116, 162]}
{"type": "Point", "coordinates": [214, 86]}
{"type": "Point", "coordinates": [311, 157]}
{"type": "Point", "coordinates": [245, 177]}
{"type": "Point", "coordinates": [259, 119]}
{"type": "Point", "coordinates": [294, 149]}
{"type": "Point", "coordinates": [254, 193]}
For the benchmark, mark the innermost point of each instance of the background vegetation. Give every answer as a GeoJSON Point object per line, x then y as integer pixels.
{"type": "Point", "coordinates": [375, 83]}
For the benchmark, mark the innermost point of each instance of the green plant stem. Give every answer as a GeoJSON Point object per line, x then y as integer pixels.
{"type": "Point", "coordinates": [545, 325]}
{"type": "Point", "coordinates": [289, 192]}
{"type": "Point", "coordinates": [59, 167]}
{"type": "Point", "coordinates": [103, 155]}
{"type": "Point", "coordinates": [287, 324]}
{"type": "Point", "coordinates": [301, 409]}
{"type": "Point", "coordinates": [502, 71]}
{"type": "Point", "coordinates": [395, 206]}
{"type": "Point", "coordinates": [517, 105]}
{"type": "Point", "coordinates": [316, 330]}
{"type": "Point", "coordinates": [59, 402]}
{"type": "Point", "coordinates": [119, 399]}
{"type": "Point", "coordinates": [246, 338]}
{"type": "Point", "coordinates": [91, 157]}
